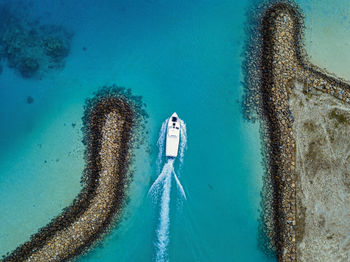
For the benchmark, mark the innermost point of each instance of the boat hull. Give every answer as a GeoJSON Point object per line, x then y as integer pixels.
{"type": "Point", "coordinates": [172, 146]}
{"type": "Point", "coordinates": [173, 136]}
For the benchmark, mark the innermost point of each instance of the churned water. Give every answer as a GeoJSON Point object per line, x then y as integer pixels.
{"type": "Point", "coordinates": [163, 184]}
{"type": "Point", "coordinates": [182, 56]}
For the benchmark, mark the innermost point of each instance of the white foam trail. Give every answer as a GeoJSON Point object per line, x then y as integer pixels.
{"type": "Point", "coordinates": [164, 221]}
{"type": "Point", "coordinates": [154, 189]}
{"type": "Point", "coordinates": [183, 141]}
{"type": "Point", "coordinates": [180, 186]}
{"type": "Point", "coordinates": [160, 143]}
{"type": "Point", "coordinates": [163, 184]}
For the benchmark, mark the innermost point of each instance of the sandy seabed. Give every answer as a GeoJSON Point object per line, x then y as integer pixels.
{"type": "Point", "coordinates": [321, 128]}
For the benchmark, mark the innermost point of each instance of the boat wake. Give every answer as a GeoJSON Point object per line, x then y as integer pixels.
{"type": "Point", "coordinates": [161, 144]}
{"type": "Point", "coordinates": [161, 188]}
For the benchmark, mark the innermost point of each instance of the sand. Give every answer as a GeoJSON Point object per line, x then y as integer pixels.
{"type": "Point", "coordinates": [322, 128]}
{"type": "Point", "coordinates": [279, 63]}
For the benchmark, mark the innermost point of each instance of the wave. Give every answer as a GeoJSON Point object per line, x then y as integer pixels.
{"type": "Point", "coordinates": [183, 142]}
{"type": "Point", "coordinates": [161, 188]}
{"type": "Point", "coordinates": [161, 144]}
{"type": "Point", "coordinates": [164, 219]}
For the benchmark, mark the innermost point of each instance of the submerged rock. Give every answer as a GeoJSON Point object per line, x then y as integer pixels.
{"type": "Point", "coordinates": [28, 66]}
{"type": "Point", "coordinates": [30, 47]}
{"type": "Point", "coordinates": [55, 48]}
{"type": "Point", "coordinates": [30, 100]}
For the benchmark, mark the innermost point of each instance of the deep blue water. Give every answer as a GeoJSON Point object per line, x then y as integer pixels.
{"type": "Point", "coordinates": [182, 56]}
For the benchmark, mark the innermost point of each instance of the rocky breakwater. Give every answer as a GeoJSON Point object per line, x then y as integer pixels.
{"type": "Point", "coordinates": [110, 122]}
{"type": "Point", "coordinates": [277, 69]}
{"type": "Point", "coordinates": [280, 62]}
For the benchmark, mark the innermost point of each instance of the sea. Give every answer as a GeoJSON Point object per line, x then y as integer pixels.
{"type": "Point", "coordinates": [180, 56]}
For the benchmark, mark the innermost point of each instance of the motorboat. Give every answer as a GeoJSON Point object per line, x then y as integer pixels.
{"type": "Point", "coordinates": [172, 136]}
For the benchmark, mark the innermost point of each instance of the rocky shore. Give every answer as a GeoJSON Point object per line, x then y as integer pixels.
{"type": "Point", "coordinates": [277, 59]}
{"type": "Point", "coordinates": [110, 123]}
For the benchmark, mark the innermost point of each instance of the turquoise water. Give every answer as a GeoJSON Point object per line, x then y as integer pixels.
{"type": "Point", "coordinates": [182, 56]}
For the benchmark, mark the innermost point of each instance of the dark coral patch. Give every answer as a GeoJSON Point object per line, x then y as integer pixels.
{"type": "Point", "coordinates": [29, 46]}
{"type": "Point", "coordinates": [30, 100]}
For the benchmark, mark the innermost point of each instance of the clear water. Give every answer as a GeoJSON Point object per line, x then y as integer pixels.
{"type": "Point", "coordinates": [182, 56]}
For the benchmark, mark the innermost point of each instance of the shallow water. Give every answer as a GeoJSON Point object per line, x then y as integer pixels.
{"type": "Point", "coordinates": [182, 56]}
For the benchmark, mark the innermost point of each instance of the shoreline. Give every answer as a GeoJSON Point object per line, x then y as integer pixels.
{"type": "Point", "coordinates": [281, 61]}
{"type": "Point", "coordinates": [110, 120]}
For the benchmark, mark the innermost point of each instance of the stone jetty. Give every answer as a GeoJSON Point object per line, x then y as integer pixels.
{"type": "Point", "coordinates": [110, 122]}
{"type": "Point", "coordinates": [280, 62]}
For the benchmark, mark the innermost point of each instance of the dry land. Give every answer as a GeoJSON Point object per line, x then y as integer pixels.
{"type": "Point", "coordinates": [321, 129]}
{"type": "Point", "coordinates": [306, 128]}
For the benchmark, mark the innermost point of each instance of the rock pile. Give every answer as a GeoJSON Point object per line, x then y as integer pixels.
{"type": "Point", "coordinates": [280, 61]}
{"type": "Point", "coordinates": [110, 122]}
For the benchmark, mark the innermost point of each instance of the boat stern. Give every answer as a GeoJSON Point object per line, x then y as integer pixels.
{"type": "Point", "coordinates": [173, 136]}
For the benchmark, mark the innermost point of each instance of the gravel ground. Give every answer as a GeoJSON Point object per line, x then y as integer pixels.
{"type": "Point", "coordinates": [322, 128]}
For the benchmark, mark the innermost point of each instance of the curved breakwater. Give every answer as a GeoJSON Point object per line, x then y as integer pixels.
{"type": "Point", "coordinates": [109, 128]}
{"type": "Point", "coordinates": [161, 189]}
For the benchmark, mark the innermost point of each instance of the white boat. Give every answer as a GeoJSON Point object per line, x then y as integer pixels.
{"type": "Point", "coordinates": [172, 136]}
